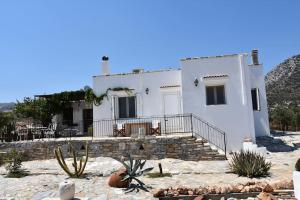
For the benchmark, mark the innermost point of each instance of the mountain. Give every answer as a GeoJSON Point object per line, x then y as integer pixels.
{"type": "Point", "coordinates": [283, 83]}
{"type": "Point", "coordinates": [5, 107]}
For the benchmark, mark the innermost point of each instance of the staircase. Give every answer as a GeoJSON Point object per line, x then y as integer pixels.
{"type": "Point", "coordinates": [203, 150]}
{"type": "Point", "coordinates": [211, 135]}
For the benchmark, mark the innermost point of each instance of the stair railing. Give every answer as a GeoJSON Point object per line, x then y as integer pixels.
{"type": "Point", "coordinates": [213, 135]}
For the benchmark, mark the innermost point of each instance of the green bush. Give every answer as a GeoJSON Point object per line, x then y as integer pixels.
{"type": "Point", "coordinates": [297, 166]}
{"type": "Point", "coordinates": [13, 162]}
{"type": "Point", "coordinates": [90, 131]}
{"type": "Point", "coordinates": [249, 164]}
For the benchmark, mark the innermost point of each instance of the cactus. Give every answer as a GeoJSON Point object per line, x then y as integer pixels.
{"type": "Point", "coordinates": [297, 166]}
{"type": "Point", "coordinates": [78, 168]}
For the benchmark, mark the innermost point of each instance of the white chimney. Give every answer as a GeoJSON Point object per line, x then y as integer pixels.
{"type": "Point", "coordinates": [105, 65]}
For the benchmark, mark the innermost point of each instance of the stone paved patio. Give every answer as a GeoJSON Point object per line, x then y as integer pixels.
{"type": "Point", "coordinates": [45, 176]}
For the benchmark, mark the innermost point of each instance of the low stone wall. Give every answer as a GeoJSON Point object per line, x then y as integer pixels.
{"type": "Point", "coordinates": [178, 147]}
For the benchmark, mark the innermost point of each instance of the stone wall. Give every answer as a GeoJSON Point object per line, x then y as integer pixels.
{"type": "Point", "coordinates": [179, 147]}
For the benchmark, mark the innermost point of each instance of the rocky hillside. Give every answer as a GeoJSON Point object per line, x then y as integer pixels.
{"type": "Point", "coordinates": [283, 82]}
{"type": "Point", "coordinates": [4, 107]}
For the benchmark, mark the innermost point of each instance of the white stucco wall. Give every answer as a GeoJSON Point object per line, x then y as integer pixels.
{"type": "Point", "coordinates": [233, 117]}
{"type": "Point", "coordinates": [261, 117]}
{"type": "Point", "coordinates": [236, 117]}
{"type": "Point", "coordinates": [147, 104]}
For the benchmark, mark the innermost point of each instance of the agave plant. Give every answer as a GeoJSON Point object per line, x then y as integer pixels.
{"type": "Point", "coordinates": [134, 169]}
{"type": "Point", "coordinates": [78, 167]}
{"type": "Point", "coordinates": [249, 164]}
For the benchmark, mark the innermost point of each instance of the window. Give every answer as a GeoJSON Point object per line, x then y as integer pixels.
{"type": "Point", "coordinates": [127, 108]}
{"type": "Point", "coordinates": [255, 99]}
{"type": "Point", "coordinates": [215, 95]}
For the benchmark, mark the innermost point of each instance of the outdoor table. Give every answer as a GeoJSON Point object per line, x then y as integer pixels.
{"type": "Point", "coordinates": [133, 128]}
{"type": "Point", "coordinates": [41, 128]}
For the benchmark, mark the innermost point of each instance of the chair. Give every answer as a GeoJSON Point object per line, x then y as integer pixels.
{"type": "Point", "coordinates": [22, 133]}
{"type": "Point", "coordinates": [36, 133]}
{"type": "Point", "coordinates": [119, 130]}
{"type": "Point", "coordinates": [156, 128]}
{"type": "Point", "coordinates": [50, 132]}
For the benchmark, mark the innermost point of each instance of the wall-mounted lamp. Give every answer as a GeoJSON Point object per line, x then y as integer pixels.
{"type": "Point", "coordinates": [196, 82]}
{"type": "Point", "coordinates": [147, 90]}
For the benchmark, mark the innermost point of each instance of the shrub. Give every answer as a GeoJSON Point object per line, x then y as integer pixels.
{"type": "Point", "coordinates": [297, 166]}
{"type": "Point", "coordinates": [249, 164]}
{"type": "Point", "coordinates": [78, 167]}
{"type": "Point", "coordinates": [14, 163]}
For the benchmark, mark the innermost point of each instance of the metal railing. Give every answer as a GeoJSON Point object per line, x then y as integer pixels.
{"type": "Point", "coordinates": [133, 127]}
{"type": "Point", "coordinates": [209, 132]}
{"type": "Point", "coordinates": [161, 125]}
{"type": "Point", "coordinates": [154, 125]}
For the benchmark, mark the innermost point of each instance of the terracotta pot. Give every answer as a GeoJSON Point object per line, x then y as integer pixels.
{"type": "Point", "coordinates": [115, 180]}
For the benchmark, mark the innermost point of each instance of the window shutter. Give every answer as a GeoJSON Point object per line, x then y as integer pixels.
{"type": "Point", "coordinates": [114, 107]}
{"type": "Point", "coordinates": [138, 101]}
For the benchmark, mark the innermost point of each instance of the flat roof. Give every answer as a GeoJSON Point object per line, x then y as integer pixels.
{"type": "Point", "coordinates": [173, 69]}
{"type": "Point", "coordinates": [136, 73]}
{"type": "Point", "coordinates": [207, 57]}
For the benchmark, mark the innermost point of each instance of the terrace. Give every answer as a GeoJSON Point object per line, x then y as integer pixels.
{"type": "Point", "coordinates": [184, 124]}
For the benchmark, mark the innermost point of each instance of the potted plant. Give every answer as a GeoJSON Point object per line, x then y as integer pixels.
{"type": "Point", "coordinates": [296, 180]}
{"type": "Point", "coordinates": [131, 171]}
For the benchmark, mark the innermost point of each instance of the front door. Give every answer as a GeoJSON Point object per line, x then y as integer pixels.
{"type": "Point", "coordinates": [87, 119]}
{"type": "Point", "coordinates": [171, 103]}
{"type": "Point", "coordinates": [171, 107]}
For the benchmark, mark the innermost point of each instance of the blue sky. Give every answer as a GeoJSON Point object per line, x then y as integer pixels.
{"type": "Point", "coordinates": [51, 46]}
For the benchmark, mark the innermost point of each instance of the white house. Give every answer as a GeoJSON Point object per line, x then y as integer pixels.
{"type": "Point", "coordinates": [225, 91]}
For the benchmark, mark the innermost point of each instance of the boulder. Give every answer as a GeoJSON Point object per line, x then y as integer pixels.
{"type": "Point", "coordinates": [201, 197]}
{"type": "Point", "coordinates": [283, 185]}
{"type": "Point", "coordinates": [66, 190]}
{"type": "Point", "coordinates": [266, 196]}
{"type": "Point", "coordinates": [115, 180]}
{"type": "Point", "coordinates": [158, 193]}
{"type": "Point", "coordinates": [268, 188]}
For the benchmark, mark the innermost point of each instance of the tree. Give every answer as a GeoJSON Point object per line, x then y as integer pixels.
{"type": "Point", "coordinates": [38, 109]}
{"type": "Point", "coordinates": [285, 117]}
{"type": "Point", "coordinates": [6, 122]}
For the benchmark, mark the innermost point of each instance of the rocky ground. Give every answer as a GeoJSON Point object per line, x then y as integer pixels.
{"type": "Point", "coordinates": [45, 176]}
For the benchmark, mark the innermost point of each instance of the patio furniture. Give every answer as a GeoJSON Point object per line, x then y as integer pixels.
{"type": "Point", "coordinates": [156, 128]}
{"type": "Point", "coordinates": [36, 131]}
{"type": "Point", "coordinates": [119, 130]}
{"type": "Point", "coordinates": [50, 131]}
{"type": "Point", "coordinates": [134, 129]}
{"type": "Point", "coordinates": [22, 134]}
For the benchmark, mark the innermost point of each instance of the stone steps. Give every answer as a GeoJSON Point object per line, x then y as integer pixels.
{"type": "Point", "coordinates": [203, 150]}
